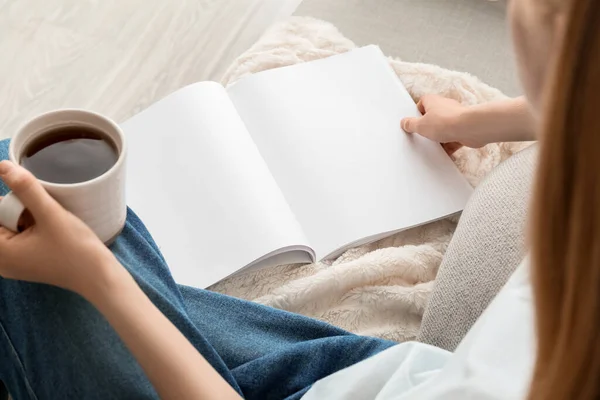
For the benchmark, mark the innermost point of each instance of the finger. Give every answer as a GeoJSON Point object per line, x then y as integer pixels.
{"type": "Point", "coordinates": [6, 234]}
{"type": "Point", "coordinates": [25, 222]}
{"type": "Point", "coordinates": [411, 124]}
{"type": "Point", "coordinates": [29, 190]}
{"type": "Point", "coordinates": [5, 246]}
{"type": "Point", "coordinates": [426, 101]}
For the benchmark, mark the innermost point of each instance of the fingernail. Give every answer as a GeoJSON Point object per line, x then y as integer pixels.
{"type": "Point", "coordinates": [5, 167]}
{"type": "Point", "coordinates": [404, 124]}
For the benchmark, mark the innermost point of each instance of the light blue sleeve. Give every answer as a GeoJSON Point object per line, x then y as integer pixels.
{"type": "Point", "coordinates": [493, 362]}
{"type": "Point", "coordinates": [399, 369]}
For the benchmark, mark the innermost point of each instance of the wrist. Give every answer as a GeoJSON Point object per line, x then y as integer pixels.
{"type": "Point", "coordinates": [473, 127]}
{"type": "Point", "coordinates": [110, 276]}
{"type": "Point", "coordinates": [501, 121]}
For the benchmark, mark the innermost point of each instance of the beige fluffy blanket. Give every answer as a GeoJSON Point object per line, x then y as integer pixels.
{"type": "Point", "coordinates": [379, 289]}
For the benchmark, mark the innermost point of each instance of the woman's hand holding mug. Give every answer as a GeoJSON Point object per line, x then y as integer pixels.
{"type": "Point", "coordinates": [76, 199]}
{"type": "Point", "coordinates": [59, 249]}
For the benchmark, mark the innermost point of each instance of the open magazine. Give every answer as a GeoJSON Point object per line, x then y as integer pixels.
{"type": "Point", "coordinates": [290, 165]}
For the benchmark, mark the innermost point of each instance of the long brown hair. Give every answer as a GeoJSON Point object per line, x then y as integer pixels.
{"type": "Point", "coordinates": [566, 217]}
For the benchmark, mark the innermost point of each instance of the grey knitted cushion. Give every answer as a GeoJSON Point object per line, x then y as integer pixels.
{"type": "Point", "coordinates": [486, 248]}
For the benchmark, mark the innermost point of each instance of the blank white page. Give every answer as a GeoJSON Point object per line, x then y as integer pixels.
{"type": "Point", "coordinates": [330, 133]}
{"type": "Point", "coordinates": [200, 185]}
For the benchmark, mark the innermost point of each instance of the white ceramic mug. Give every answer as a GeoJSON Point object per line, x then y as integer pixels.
{"type": "Point", "coordinates": [99, 202]}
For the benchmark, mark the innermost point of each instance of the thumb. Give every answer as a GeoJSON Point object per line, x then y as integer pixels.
{"type": "Point", "coordinates": [411, 124]}
{"type": "Point", "coordinates": [28, 189]}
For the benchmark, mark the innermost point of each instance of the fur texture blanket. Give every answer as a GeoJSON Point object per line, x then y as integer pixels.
{"type": "Point", "coordinates": [380, 289]}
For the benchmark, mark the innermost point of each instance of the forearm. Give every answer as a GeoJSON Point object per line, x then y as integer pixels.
{"type": "Point", "coordinates": [501, 121]}
{"type": "Point", "coordinates": [172, 364]}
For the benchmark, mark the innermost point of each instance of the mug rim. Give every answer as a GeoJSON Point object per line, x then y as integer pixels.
{"type": "Point", "coordinates": [120, 160]}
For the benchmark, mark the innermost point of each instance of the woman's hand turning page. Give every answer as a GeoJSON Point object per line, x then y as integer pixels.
{"type": "Point", "coordinates": [329, 131]}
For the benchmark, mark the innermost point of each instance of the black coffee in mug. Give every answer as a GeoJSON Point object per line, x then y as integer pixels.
{"type": "Point", "coordinates": [70, 154]}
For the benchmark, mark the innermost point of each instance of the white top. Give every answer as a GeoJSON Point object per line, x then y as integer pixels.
{"type": "Point", "coordinates": [494, 360]}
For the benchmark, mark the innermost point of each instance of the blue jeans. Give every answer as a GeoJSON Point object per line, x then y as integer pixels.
{"type": "Point", "coordinates": [55, 345]}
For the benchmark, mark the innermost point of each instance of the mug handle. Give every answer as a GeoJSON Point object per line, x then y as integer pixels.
{"type": "Point", "coordinates": [11, 209]}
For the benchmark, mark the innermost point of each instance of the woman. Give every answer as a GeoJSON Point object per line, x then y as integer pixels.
{"type": "Point", "coordinates": [124, 329]}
